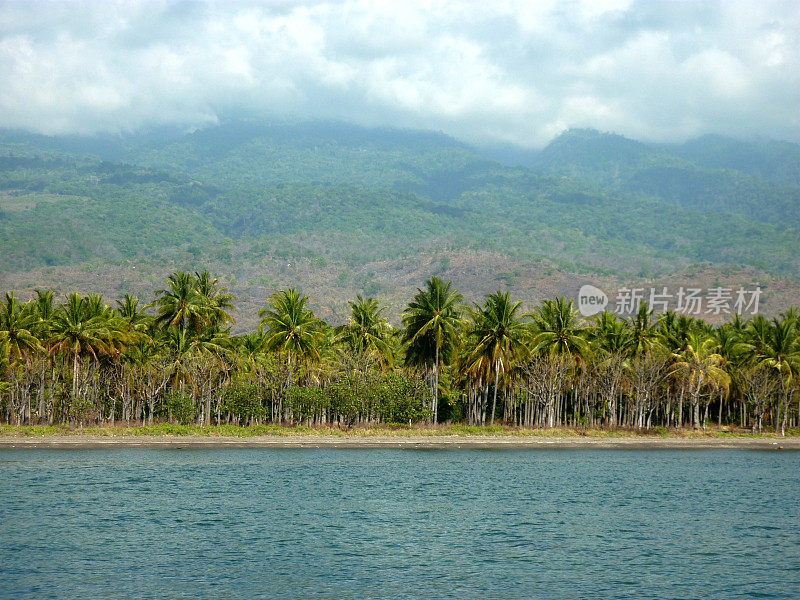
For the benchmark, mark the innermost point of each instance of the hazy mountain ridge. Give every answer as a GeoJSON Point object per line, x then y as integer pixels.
{"type": "Point", "coordinates": [591, 151]}
{"type": "Point", "coordinates": [245, 198]}
{"type": "Point", "coordinates": [760, 180]}
{"type": "Point", "coordinates": [775, 161]}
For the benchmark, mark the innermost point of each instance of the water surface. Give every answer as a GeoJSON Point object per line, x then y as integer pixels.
{"type": "Point", "coordinates": [175, 524]}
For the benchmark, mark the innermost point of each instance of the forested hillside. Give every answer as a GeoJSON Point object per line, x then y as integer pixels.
{"type": "Point", "coordinates": [344, 209]}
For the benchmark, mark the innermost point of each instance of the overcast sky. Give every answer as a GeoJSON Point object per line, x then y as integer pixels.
{"type": "Point", "coordinates": [494, 70]}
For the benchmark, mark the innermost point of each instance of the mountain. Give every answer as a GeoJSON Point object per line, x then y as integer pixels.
{"type": "Point", "coordinates": [758, 180]}
{"type": "Point", "coordinates": [343, 209]}
{"type": "Point", "coordinates": [770, 160]}
{"type": "Point", "coordinates": [593, 156]}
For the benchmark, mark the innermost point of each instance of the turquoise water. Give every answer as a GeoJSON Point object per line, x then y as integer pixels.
{"type": "Point", "coordinates": [399, 524]}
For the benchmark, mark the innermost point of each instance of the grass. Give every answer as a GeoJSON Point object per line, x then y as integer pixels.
{"type": "Point", "coordinates": [400, 431]}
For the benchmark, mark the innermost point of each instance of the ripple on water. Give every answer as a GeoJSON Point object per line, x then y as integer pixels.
{"type": "Point", "coordinates": [399, 524]}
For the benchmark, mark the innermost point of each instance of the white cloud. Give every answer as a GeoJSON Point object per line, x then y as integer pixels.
{"type": "Point", "coordinates": [510, 70]}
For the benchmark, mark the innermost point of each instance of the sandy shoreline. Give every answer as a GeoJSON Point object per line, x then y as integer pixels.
{"type": "Point", "coordinates": [391, 442]}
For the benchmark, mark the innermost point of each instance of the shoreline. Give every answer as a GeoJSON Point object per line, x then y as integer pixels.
{"type": "Point", "coordinates": [432, 442]}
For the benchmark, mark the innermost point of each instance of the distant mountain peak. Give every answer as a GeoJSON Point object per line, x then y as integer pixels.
{"type": "Point", "coordinates": [592, 150]}
{"type": "Point", "coordinates": [579, 136]}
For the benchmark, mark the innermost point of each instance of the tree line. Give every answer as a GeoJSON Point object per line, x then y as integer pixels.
{"type": "Point", "coordinates": [176, 360]}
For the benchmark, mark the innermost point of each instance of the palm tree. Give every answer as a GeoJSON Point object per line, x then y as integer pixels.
{"type": "Point", "coordinates": [758, 332]}
{"type": "Point", "coordinates": [776, 344]}
{"type": "Point", "coordinates": [17, 322]}
{"type": "Point", "coordinates": [216, 300]}
{"type": "Point", "coordinates": [609, 334]}
{"type": "Point", "coordinates": [76, 334]}
{"type": "Point", "coordinates": [731, 349]}
{"type": "Point", "coordinates": [675, 329]}
{"type": "Point", "coordinates": [431, 322]}
{"type": "Point", "coordinates": [128, 308]}
{"type": "Point", "coordinates": [146, 358]}
{"type": "Point", "coordinates": [644, 336]}
{"type": "Point", "coordinates": [700, 366]}
{"type": "Point", "coordinates": [610, 341]}
{"type": "Point", "coordinates": [558, 330]}
{"type": "Point", "coordinates": [181, 343]}
{"type": "Point", "coordinates": [473, 372]}
{"type": "Point", "coordinates": [501, 337]}
{"type": "Point", "coordinates": [367, 332]}
{"type": "Point", "coordinates": [43, 308]}
{"type": "Point", "coordinates": [290, 327]}
{"type": "Point", "coordinates": [187, 347]}
{"type": "Point", "coordinates": [20, 345]}
{"type": "Point", "coordinates": [251, 347]}
{"type": "Point", "coordinates": [94, 306]}
{"type": "Point", "coordinates": [180, 305]}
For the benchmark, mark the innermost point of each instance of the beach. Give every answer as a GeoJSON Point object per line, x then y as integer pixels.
{"type": "Point", "coordinates": [78, 441]}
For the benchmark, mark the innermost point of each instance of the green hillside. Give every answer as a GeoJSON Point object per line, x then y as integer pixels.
{"type": "Point", "coordinates": [242, 194]}
{"type": "Point", "coordinates": [758, 180]}
{"type": "Point", "coordinates": [778, 162]}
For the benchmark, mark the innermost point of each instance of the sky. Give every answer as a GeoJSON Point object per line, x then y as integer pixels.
{"type": "Point", "coordinates": [494, 71]}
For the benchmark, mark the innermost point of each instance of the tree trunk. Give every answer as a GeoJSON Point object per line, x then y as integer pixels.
{"type": "Point", "coordinates": [484, 401]}
{"type": "Point", "coordinates": [705, 414]}
{"type": "Point", "coordinates": [435, 406]}
{"type": "Point", "coordinates": [41, 409]}
{"type": "Point", "coordinates": [75, 377]}
{"type": "Point", "coordinates": [494, 394]}
{"type": "Point", "coordinates": [786, 400]}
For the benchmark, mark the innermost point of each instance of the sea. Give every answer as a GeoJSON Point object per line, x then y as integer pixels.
{"type": "Point", "coordinates": [139, 523]}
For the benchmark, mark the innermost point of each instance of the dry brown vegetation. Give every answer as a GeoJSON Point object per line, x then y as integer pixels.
{"type": "Point", "coordinates": [474, 273]}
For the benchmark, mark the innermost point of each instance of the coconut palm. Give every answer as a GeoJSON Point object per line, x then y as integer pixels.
{"type": "Point", "coordinates": [216, 300]}
{"type": "Point", "coordinates": [186, 348]}
{"type": "Point", "coordinates": [180, 305]}
{"type": "Point", "coordinates": [251, 347]}
{"type": "Point", "coordinates": [77, 335]}
{"type": "Point", "coordinates": [95, 306]}
{"type": "Point", "coordinates": [776, 344]}
{"type": "Point", "coordinates": [17, 324]}
{"type": "Point", "coordinates": [644, 335]}
{"type": "Point", "coordinates": [367, 332]}
{"type": "Point", "coordinates": [674, 330]}
{"type": "Point", "coordinates": [609, 334]}
{"type": "Point", "coordinates": [431, 321]}
{"type": "Point", "coordinates": [558, 330]}
{"type": "Point", "coordinates": [732, 350]}
{"type": "Point", "coordinates": [701, 367]}
{"type": "Point", "coordinates": [758, 332]}
{"type": "Point", "coordinates": [43, 307]}
{"type": "Point", "coordinates": [20, 347]}
{"type": "Point", "coordinates": [501, 337]}
{"type": "Point", "coordinates": [128, 308]}
{"type": "Point", "coordinates": [291, 328]}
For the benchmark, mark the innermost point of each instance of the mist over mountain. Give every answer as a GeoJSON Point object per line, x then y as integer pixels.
{"type": "Point", "coordinates": [515, 72]}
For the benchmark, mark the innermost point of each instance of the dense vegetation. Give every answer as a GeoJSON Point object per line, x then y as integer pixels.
{"type": "Point", "coordinates": [175, 360]}
{"type": "Point", "coordinates": [246, 192]}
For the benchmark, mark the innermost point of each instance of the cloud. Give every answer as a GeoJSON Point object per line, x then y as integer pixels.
{"type": "Point", "coordinates": [507, 70]}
